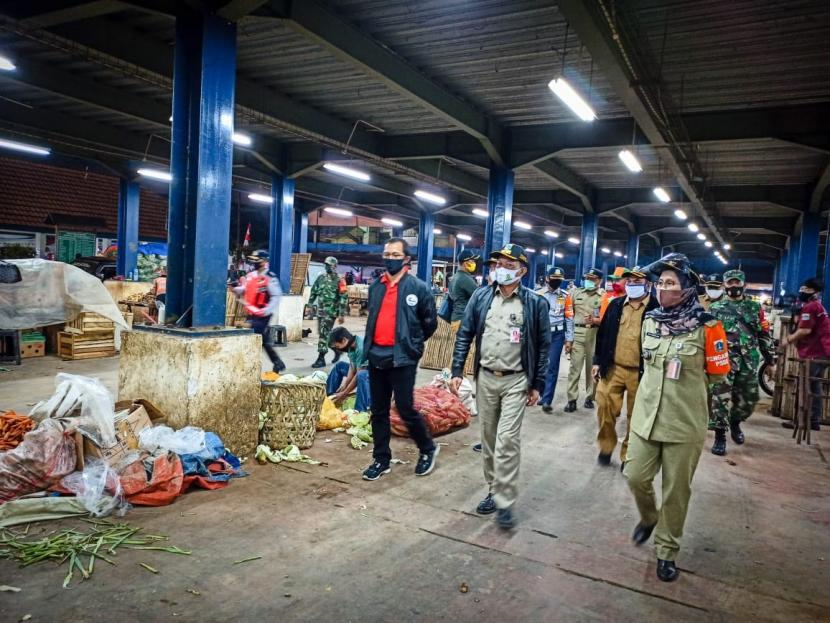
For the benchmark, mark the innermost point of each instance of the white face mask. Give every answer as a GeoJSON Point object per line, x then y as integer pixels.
{"type": "Point", "coordinates": [506, 276]}
{"type": "Point", "coordinates": [635, 290]}
{"type": "Point", "coordinates": [714, 294]}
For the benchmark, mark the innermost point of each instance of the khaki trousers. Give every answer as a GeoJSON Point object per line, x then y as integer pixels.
{"type": "Point", "coordinates": [678, 462]}
{"type": "Point", "coordinates": [501, 404]}
{"type": "Point", "coordinates": [619, 381]}
{"type": "Point", "coordinates": [582, 356]}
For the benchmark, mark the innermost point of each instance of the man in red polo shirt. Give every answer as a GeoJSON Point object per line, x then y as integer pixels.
{"type": "Point", "coordinates": [401, 318]}
{"type": "Point", "coordinates": [809, 338]}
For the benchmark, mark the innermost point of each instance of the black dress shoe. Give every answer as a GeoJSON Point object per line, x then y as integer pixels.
{"type": "Point", "coordinates": [604, 459]}
{"type": "Point", "coordinates": [589, 404]}
{"type": "Point", "coordinates": [667, 570]}
{"type": "Point", "coordinates": [737, 434]}
{"type": "Point", "coordinates": [642, 533]}
{"type": "Point", "coordinates": [719, 447]}
{"type": "Point", "coordinates": [547, 408]}
{"type": "Point", "coordinates": [815, 426]}
{"type": "Point", "coordinates": [788, 424]}
{"type": "Point", "coordinates": [570, 407]}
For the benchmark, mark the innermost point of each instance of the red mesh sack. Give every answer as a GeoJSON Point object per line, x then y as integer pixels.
{"type": "Point", "coordinates": [442, 410]}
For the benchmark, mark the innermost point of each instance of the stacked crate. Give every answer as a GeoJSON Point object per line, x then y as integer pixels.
{"type": "Point", "coordinates": [89, 336]}
{"type": "Point", "coordinates": [32, 343]}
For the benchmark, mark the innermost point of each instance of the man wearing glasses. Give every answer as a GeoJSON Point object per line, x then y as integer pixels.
{"type": "Point", "coordinates": [511, 328]}
{"type": "Point", "coordinates": [401, 318]}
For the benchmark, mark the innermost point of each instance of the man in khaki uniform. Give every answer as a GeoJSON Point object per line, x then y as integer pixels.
{"type": "Point", "coordinates": [582, 318]}
{"type": "Point", "coordinates": [617, 361]}
{"type": "Point", "coordinates": [511, 329]}
{"type": "Point", "coordinates": [714, 291]}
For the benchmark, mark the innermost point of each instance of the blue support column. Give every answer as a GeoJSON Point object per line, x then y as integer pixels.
{"type": "Point", "coordinates": [825, 294]}
{"type": "Point", "coordinates": [808, 249]}
{"type": "Point", "coordinates": [397, 232]}
{"type": "Point", "coordinates": [633, 250]}
{"type": "Point", "coordinates": [280, 234]}
{"type": "Point", "coordinates": [604, 270]}
{"type": "Point", "coordinates": [128, 200]}
{"type": "Point", "coordinates": [201, 159]}
{"type": "Point", "coordinates": [499, 209]}
{"type": "Point", "coordinates": [300, 232]}
{"type": "Point", "coordinates": [783, 268]}
{"type": "Point", "coordinates": [426, 240]}
{"type": "Point", "coordinates": [587, 245]}
{"type": "Point", "coordinates": [792, 269]}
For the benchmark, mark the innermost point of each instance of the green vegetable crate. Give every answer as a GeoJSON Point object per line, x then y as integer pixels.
{"type": "Point", "coordinates": [292, 410]}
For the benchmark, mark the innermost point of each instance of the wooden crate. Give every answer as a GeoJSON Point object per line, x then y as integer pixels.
{"type": "Point", "coordinates": [32, 349]}
{"type": "Point", "coordinates": [90, 322]}
{"type": "Point", "coordinates": [72, 346]}
{"type": "Point", "coordinates": [235, 315]}
{"type": "Point", "coordinates": [439, 348]}
{"type": "Point", "coordinates": [299, 270]}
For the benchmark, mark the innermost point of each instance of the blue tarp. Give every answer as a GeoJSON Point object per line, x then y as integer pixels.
{"type": "Point", "coordinates": [196, 464]}
{"type": "Point", "coordinates": [153, 248]}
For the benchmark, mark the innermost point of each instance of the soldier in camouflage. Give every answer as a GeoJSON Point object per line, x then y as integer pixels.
{"type": "Point", "coordinates": [747, 333]}
{"type": "Point", "coordinates": [329, 292]}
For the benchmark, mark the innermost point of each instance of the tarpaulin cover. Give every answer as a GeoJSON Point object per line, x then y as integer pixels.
{"type": "Point", "coordinates": [442, 411]}
{"type": "Point", "coordinates": [51, 293]}
{"type": "Point", "coordinates": [153, 248]}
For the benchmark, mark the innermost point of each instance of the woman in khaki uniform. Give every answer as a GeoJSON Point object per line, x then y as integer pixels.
{"type": "Point", "coordinates": [684, 349]}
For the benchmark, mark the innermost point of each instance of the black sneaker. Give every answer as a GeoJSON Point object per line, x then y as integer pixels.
{"type": "Point", "coordinates": [486, 506]}
{"type": "Point", "coordinates": [375, 471]}
{"type": "Point", "coordinates": [505, 519]}
{"type": "Point", "coordinates": [570, 407]}
{"type": "Point", "coordinates": [547, 408]}
{"type": "Point", "coordinates": [279, 367]}
{"type": "Point", "coordinates": [589, 404]}
{"type": "Point", "coordinates": [604, 459]}
{"type": "Point", "coordinates": [642, 533]}
{"type": "Point", "coordinates": [426, 462]}
{"type": "Point", "coordinates": [476, 447]}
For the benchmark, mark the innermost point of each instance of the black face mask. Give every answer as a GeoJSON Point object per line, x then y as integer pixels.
{"type": "Point", "coordinates": [735, 291]}
{"type": "Point", "coordinates": [804, 297]}
{"type": "Point", "coordinates": [554, 283]}
{"type": "Point", "coordinates": [393, 267]}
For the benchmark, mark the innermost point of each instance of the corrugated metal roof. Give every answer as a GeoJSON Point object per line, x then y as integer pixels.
{"type": "Point", "coordinates": [762, 162]}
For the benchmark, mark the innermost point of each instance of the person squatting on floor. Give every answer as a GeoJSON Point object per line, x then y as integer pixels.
{"type": "Point", "coordinates": [346, 377]}
{"type": "Point", "coordinates": [511, 329]}
{"type": "Point", "coordinates": [618, 363]}
{"type": "Point", "coordinates": [556, 297]}
{"type": "Point", "coordinates": [402, 317]}
{"type": "Point", "coordinates": [330, 294]}
{"type": "Point", "coordinates": [747, 333]}
{"type": "Point", "coordinates": [581, 322]}
{"type": "Point", "coordinates": [260, 290]}
{"type": "Point", "coordinates": [684, 349]}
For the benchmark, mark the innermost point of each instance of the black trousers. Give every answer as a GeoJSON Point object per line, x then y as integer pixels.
{"type": "Point", "coordinates": [400, 381]}
{"type": "Point", "coordinates": [259, 325]}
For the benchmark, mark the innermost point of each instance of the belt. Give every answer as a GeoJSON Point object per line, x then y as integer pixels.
{"type": "Point", "coordinates": [502, 372]}
{"type": "Point", "coordinates": [586, 326]}
{"type": "Point", "coordinates": [558, 327]}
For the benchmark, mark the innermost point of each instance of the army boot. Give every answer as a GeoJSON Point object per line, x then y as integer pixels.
{"type": "Point", "coordinates": [321, 361]}
{"type": "Point", "coordinates": [737, 433]}
{"type": "Point", "coordinates": [719, 447]}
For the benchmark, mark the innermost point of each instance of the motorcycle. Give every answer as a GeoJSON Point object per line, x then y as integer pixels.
{"type": "Point", "coordinates": [765, 379]}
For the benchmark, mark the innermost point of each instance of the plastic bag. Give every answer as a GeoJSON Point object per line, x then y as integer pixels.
{"type": "Point", "coordinates": [75, 393]}
{"type": "Point", "coordinates": [188, 440]}
{"type": "Point", "coordinates": [465, 390]}
{"type": "Point", "coordinates": [98, 488]}
{"type": "Point", "coordinates": [46, 455]}
{"type": "Point", "coordinates": [330, 416]}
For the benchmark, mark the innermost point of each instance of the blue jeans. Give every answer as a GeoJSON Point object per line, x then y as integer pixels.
{"type": "Point", "coordinates": [340, 371]}
{"type": "Point", "coordinates": [557, 343]}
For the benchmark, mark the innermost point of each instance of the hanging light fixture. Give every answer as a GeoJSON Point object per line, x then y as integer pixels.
{"type": "Point", "coordinates": [522, 225]}
{"type": "Point", "coordinates": [680, 214]}
{"type": "Point", "coordinates": [260, 198]}
{"type": "Point", "coordinates": [391, 221]}
{"type": "Point", "coordinates": [630, 161]}
{"type": "Point", "coordinates": [430, 197]}
{"type": "Point", "coordinates": [551, 234]}
{"type": "Point", "coordinates": [347, 172]}
{"type": "Point", "coordinates": [338, 211]}
{"type": "Point", "coordinates": [480, 212]}
{"type": "Point", "coordinates": [24, 147]}
{"type": "Point", "coordinates": [661, 194]}
{"type": "Point", "coordinates": [464, 237]}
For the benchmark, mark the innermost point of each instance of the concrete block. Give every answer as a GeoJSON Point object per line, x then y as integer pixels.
{"type": "Point", "coordinates": [212, 382]}
{"type": "Point", "coordinates": [290, 314]}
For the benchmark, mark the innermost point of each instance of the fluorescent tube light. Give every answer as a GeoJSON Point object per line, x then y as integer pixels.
{"type": "Point", "coordinates": [260, 198]}
{"type": "Point", "coordinates": [572, 99]}
{"type": "Point", "coordinates": [551, 234]}
{"type": "Point", "coordinates": [347, 172]}
{"type": "Point", "coordinates": [6, 64]}
{"type": "Point", "coordinates": [661, 194]}
{"type": "Point", "coordinates": [680, 214]}
{"type": "Point", "coordinates": [242, 139]}
{"type": "Point", "coordinates": [708, 244]}
{"type": "Point", "coordinates": [522, 225]}
{"type": "Point", "coordinates": [573, 240]}
{"type": "Point", "coordinates": [464, 237]}
{"type": "Point", "coordinates": [530, 250]}
{"type": "Point", "coordinates": [605, 250]}
{"type": "Point", "coordinates": [25, 147]}
{"type": "Point", "coordinates": [544, 251]}
{"type": "Point", "coordinates": [338, 211]}
{"type": "Point", "coordinates": [391, 221]}
{"type": "Point", "coordinates": [156, 174]}
{"type": "Point", "coordinates": [617, 254]}
{"type": "Point", "coordinates": [559, 255]}
{"type": "Point", "coordinates": [727, 246]}
{"type": "Point", "coordinates": [701, 236]}
{"type": "Point", "coordinates": [436, 231]}
{"type": "Point", "coordinates": [693, 227]}
{"type": "Point", "coordinates": [480, 212]}
{"type": "Point", "coordinates": [431, 197]}
{"type": "Point", "coordinates": [630, 161]}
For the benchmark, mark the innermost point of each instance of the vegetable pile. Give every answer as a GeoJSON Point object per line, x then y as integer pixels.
{"type": "Point", "coordinates": [13, 427]}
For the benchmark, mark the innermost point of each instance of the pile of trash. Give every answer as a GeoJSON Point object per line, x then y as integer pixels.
{"type": "Point", "coordinates": [107, 455]}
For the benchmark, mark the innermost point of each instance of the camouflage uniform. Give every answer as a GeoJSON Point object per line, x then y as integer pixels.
{"type": "Point", "coordinates": [331, 303]}
{"type": "Point", "coordinates": [747, 333]}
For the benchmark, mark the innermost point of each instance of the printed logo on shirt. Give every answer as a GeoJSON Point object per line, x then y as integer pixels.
{"type": "Point", "coordinates": [719, 346]}
{"type": "Point", "coordinates": [805, 316]}
{"type": "Point", "coordinates": [411, 300]}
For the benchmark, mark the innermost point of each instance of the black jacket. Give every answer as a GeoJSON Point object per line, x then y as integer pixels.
{"type": "Point", "coordinates": [535, 334]}
{"type": "Point", "coordinates": [608, 330]}
{"type": "Point", "coordinates": [415, 321]}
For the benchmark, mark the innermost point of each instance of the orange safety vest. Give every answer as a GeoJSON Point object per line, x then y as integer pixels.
{"type": "Point", "coordinates": [256, 290]}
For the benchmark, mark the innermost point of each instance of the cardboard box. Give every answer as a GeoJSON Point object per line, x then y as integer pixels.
{"type": "Point", "coordinates": [32, 349]}
{"type": "Point", "coordinates": [142, 414]}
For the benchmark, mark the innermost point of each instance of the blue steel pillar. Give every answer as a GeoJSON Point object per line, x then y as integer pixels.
{"type": "Point", "coordinates": [499, 209]}
{"type": "Point", "coordinates": [808, 249]}
{"type": "Point", "coordinates": [300, 232]}
{"type": "Point", "coordinates": [783, 268]}
{"type": "Point", "coordinates": [128, 200]}
{"type": "Point", "coordinates": [397, 232]}
{"type": "Point", "coordinates": [201, 160]}
{"type": "Point", "coordinates": [792, 269]}
{"type": "Point", "coordinates": [587, 245]}
{"type": "Point", "coordinates": [426, 241]}
{"type": "Point", "coordinates": [633, 250]}
{"type": "Point", "coordinates": [280, 234]}
{"type": "Point", "coordinates": [825, 294]}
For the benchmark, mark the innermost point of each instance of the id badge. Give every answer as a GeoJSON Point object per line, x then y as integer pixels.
{"type": "Point", "coordinates": [515, 335]}
{"type": "Point", "coordinates": [673, 369]}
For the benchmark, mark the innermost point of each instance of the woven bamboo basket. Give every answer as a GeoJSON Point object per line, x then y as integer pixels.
{"type": "Point", "coordinates": [293, 412]}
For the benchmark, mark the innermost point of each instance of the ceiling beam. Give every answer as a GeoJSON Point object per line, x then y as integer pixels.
{"type": "Point", "coordinates": [820, 188]}
{"type": "Point", "coordinates": [352, 44]}
{"type": "Point", "coordinates": [566, 179]}
{"type": "Point", "coordinates": [237, 9]}
{"type": "Point", "coordinates": [48, 13]}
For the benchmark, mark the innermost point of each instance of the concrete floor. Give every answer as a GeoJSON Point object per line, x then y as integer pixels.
{"type": "Point", "coordinates": [336, 548]}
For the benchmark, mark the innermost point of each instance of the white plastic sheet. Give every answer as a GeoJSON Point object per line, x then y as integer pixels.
{"type": "Point", "coordinates": [188, 440]}
{"type": "Point", "coordinates": [98, 488]}
{"type": "Point", "coordinates": [51, 293]}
